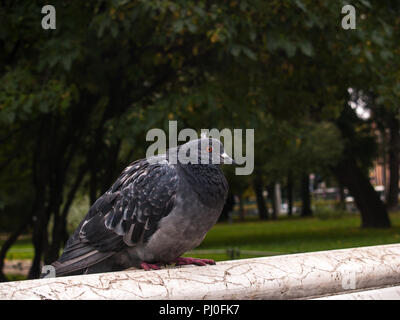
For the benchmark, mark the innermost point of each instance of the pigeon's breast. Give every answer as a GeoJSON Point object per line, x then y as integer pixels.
{"type": "Point", "coordinates": [207, 182]}
{"type": "Point", "coordinates": [182, 230]}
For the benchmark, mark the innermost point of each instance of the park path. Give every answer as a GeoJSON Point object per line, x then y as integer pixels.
{"type": "Point", "coordinates": [18, 267]}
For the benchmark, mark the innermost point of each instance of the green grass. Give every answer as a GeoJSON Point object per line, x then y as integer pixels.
{"type": "Point", "coordinates": [296, 235]}
{"type": "Point", "coordinates": [16, 277]}
{"type": "Point", "coordinates": [22, 249]}
{"type": "Point", "coordinates": [282, 236]}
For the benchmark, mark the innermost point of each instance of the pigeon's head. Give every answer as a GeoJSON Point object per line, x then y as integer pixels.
{"type": "Point", "coordinates": [204, 151]}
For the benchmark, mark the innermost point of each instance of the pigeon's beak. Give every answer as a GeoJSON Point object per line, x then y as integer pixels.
{"type": "Point", "coordinates": [227, 159]}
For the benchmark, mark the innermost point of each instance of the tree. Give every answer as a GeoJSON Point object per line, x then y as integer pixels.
{"type": "Point", "coordinates": [306, 196]}
{"type": "Point", "coordinates": [359, 149]}
{"type": "Point", "coordinates": [384, 120]}
{"type": "Point", "coordinates": [76, 102]}
{"type": "Point", "coordinates": [91, 80]}
{"type": "Point", "coordinates": [258, 189]}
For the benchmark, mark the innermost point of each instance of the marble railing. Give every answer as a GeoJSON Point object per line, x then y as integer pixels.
{"type": "Point", "coordinates": [347, 273]}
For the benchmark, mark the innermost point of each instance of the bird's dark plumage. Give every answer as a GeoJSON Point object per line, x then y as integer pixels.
{"type": "Point", "coordinates": [154, 212]}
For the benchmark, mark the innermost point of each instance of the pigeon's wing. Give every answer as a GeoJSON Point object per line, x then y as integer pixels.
{"type": "Point", "coordinates": [145, 194]}
{"type": "Point", "coordinates": [126, 215]}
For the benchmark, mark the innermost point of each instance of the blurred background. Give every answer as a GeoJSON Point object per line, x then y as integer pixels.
{"type": "Point", "coordinates": [77, 101]}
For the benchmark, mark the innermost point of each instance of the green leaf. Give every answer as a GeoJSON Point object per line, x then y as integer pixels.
{"type": "Point", "coordinates": [67, 61]}
{"type": "Point", "coordinates": [9, 116]}
{"type": "Point", "coordinates": [301, 5]}
{"type": "Point", "coordinates": [289, 47]}
{"type": "Point", "coordinates": [235, 50]}
{"type": "Point", "coordinates": [243, 5]}
{"type": "Point", "coordinates": [199, 11]}
{"type": "Point", "coordinates": [386, 54]}
{"type": "Point", "coordinates": [252, 36]}
{"type": "Point", "coordinates": [114, 30]}
{"type": "Point", "coordinates": [377, 38]}
{"type": "Point", "coordinates": [388, 29]}
{"type": "Point", "coordinates": [380, 100]}
{"type": "Point", "coordinates": [307, 48]}
{"type": "Point", "coordinates": [366, 3]}
{"type": "Point", "coordinates": [44, 106]}
{"type": "Point", "coordinates": [248, 52]}
{"type": "Point", "coordinates": [191, 26]}
{"type": "Point", "coordinates": [28, 105]}
{"type": "Point", "coordinates": [369, 55]}
{"type": "Point", "coordinates": [355, 51]}
{"type": "Point", "coordinates": [178, 26]}
{"type": "Point", "coordinates": [103, 23]}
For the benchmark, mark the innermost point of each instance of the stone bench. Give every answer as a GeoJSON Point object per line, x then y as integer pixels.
{"type": "Point", "coordinates": [356, 273]}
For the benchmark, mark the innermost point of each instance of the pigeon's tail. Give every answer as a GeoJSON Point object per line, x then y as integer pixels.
{"type": "Point", "coordinates": [77, 258]}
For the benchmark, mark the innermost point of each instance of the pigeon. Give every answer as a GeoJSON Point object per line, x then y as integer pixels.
{"type": "Point", "coordinates": [158, 209]}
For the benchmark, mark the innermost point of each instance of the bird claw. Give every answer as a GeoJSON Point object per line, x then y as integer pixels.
{"type": "Point", "coordinates": [149, 266]}
{"type": "Point", "coordinates": [181, 261]}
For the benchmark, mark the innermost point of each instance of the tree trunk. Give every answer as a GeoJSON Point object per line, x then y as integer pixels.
{"type": "Point", "coordinates": [59, 229]}
{"type": "Point", "coordinates": [342, 197]}
{"type": "Point", "coordinates": [271, 197]}
{"type": "Point", "coordinates": [242, 212]}
{"type": "Point", "coordinates": [40, 242]}
{"type": "Point", "coordinates": [305, 196]}
{"type": "Point", "coordinates": [350, 175]}
{"type": "Point", "coordinates": [277, 199]}
{"type": "Point", "coordinates": [258, 189]}
{"type": "Point", "coordinates": [40, 176]}
{"type": "Point", "coordinates": [228, 207]}
{"type": "Point", "coordinates": [93, 185]}
{"type": "Point", "coordinates": [8, 243]}
{"type": "Point", "coordinates": [108, 178]}
{"type": "Point", "coordinates": [54, 209]}
{"type": "Point", "coordinates": [394, 146]}
{"type": "Point", "coordinates": [289, 187]}
{"type": "Point", "coordinates": [372, 209]}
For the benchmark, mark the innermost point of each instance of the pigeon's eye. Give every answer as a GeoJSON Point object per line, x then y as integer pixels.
{"type": "Point", "coordinates": [209, 149]}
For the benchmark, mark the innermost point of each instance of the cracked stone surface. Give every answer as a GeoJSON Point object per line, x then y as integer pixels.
{"type": "Point", "coordinates": [295, 276]}
{"type": "Point", "coordinates": [388, 293]}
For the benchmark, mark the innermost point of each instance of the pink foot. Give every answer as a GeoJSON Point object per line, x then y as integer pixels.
{"type": "Point", "coordinates": [149, 266]}
{"type": "Point", "coordinates": [181, 261]}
